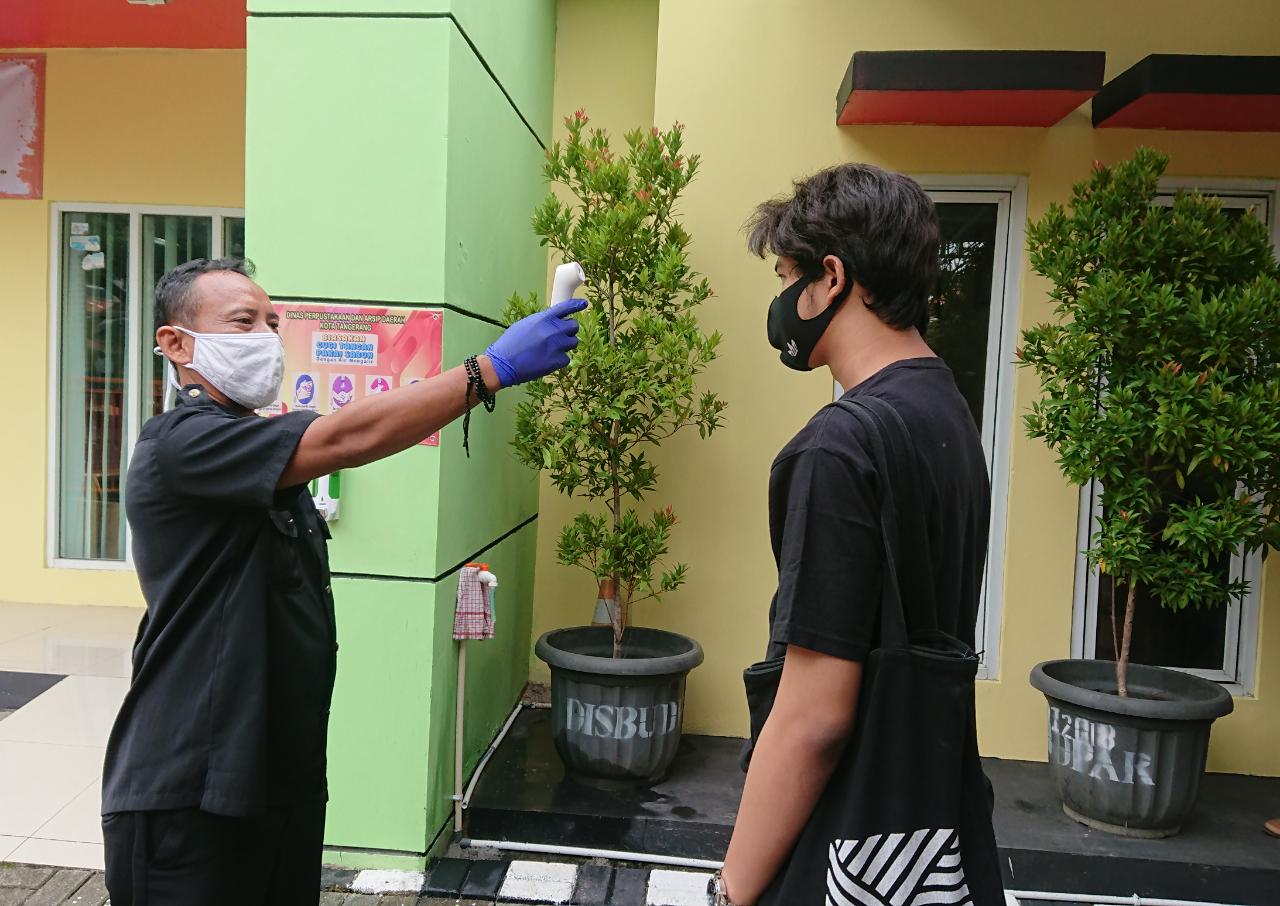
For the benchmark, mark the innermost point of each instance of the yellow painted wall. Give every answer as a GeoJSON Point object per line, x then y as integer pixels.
{"type": "Point", "coordinates": [755, 83]}
{"type": "Point", "coordinates": [121, 126]}
{"type": "Point", "coordinates": [605, 58]}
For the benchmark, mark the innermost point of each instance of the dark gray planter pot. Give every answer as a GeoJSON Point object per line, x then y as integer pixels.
{"type": "Point", "coordinates": [618, 719]}
{"type": "Point", "coordinates": [1129, 766]}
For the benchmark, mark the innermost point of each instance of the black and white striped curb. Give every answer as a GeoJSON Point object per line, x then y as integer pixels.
{"type": "Point", "coordinates": [532, 882]}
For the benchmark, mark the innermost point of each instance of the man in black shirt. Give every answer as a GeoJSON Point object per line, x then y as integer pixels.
{"type": "Point", "coordinates": [215, 769]}
{"type": "Point", "coordinates": [857, 254]}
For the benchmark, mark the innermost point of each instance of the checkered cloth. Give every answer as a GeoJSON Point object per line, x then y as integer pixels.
{"type": "Point", "coordinates": [473, 618]}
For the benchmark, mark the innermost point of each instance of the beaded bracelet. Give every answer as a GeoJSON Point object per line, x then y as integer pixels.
{"type": "Point", "coordinates": [475, 380]}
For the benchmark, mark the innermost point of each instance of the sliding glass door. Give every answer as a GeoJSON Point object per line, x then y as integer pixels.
{"type": "Point", "coordinates": [108, 380]}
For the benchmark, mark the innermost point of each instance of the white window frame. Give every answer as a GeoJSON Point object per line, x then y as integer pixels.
{"type": "Point", "coordinates": [1240, 654]}
{"type": "Point", "coordinates": [1009, 194]}
{"type": "Point", "coordinates": [133, 352]}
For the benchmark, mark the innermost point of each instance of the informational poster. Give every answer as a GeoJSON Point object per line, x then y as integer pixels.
{"type": "Point", "coordinates": [337, 354]}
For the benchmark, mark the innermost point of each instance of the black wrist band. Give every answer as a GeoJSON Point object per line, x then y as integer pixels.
{"type": "Point", "coordinates": [475, 381]}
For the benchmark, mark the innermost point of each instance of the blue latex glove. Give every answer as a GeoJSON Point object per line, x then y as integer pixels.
{"type": "Point", "coordinates": [535, 346]}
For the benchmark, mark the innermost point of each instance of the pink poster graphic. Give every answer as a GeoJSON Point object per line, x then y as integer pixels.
{"type": "Point", "coordinates": [337, 354]}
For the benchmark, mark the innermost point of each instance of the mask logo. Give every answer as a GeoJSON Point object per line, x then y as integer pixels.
{"type": "Point", "coordinates": [304, 390]}
{"type": "Point", "coordinates": [794, 336]}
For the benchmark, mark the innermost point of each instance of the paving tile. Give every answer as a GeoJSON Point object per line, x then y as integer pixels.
{"type": "Point", "coordinates": [93, 893]}
{"type": "Point", "coordinates": [362, 899]}
{"type": "Point", "coordinates": [539, 882]}
{"type": "Point", "coordinates": [79, 711]}
{"type": "Point", "coordinates": [677, 888]}
{"type": "Point", "coordinates": [60, 854]}
{"type": "Point", "coordinates": [333, 898]}
{"type": "Point", "coordinates": [387, 880]}
{"type": "Point", "coordinates": [39, 781]}
{"type": "Point", "coordinates": [28, 876]}
{"type": "Point", "coordinates": [630, 887]}
{"type": "Point", "coordinates": [334, 878]}
{"type": "Point", "coordinates": [593, 885]}
{"type": "Point", "coordinates": [13, 896]}
{"type": "Point", "coordinates": [80, 821]}
{"type": "Point", "coordinates": [59, 887]}
{"type": "Point", "coordinates": [484, 879]}
{"type": "Point", "coordinates": [446, 876]}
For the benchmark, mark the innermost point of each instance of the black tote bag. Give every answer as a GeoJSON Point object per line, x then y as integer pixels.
{"type": "Point", "coordinates": [906, 818]}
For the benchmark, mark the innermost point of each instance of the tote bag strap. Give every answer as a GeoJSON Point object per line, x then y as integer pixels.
{"type": "Point", "coordinates": [893, 621]}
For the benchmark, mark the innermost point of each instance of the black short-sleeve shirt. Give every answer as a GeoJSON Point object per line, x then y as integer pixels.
{"type": "Point", "coordinates": [824, 517]}
{"type": "Point", "coordinates": [234, 662]}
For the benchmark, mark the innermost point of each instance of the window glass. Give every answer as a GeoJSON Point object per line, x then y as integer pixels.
{"type": "Point", "coordinates": [167, 241]}
{"type": "Point", "coordinates": [92, 333]}
{"type": "Point", "coordinates": [233, 237]}
{"type": "Point", "coordinates": [960, 313]}
{"type": "Point", "coordinates": [1194, 638]}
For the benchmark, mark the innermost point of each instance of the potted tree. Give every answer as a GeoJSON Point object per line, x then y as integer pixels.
{"type": "Point", "coordinates": [617, 690]}
{"type": "Point", "coordinates": [1160, 379]}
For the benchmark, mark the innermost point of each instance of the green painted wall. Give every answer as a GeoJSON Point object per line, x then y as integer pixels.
{"type": "Point", "coordinates": [515, 38]}
{"type": "Point", "coordinates": [497, 669]}
{"type": "Point", "coordinates": [387, 161]}
{"type": "Point", "coordinates": [379, 728]}
{"type": "Point", "coordinates": [345, 156]}
{"type": "Point", "coordinates": [391, 730]}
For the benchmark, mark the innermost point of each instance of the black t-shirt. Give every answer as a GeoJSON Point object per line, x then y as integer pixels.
{"type": "Point", "coordinates": [824, 518]}
{"type": "Point", "coordinates": [234, 662]}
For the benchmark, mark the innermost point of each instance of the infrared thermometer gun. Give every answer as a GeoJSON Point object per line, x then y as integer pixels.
{"type": "Point", "coordinates": [568, 278]}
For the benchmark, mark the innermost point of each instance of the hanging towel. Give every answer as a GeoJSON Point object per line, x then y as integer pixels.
{"type": "Point", "coordinates": [473, 618]}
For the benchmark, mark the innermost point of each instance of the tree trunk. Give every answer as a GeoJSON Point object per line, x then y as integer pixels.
{"type": "Point", "coordinates": [616, 617]}
{"type": "Point", "coordinates": [1122, 660]}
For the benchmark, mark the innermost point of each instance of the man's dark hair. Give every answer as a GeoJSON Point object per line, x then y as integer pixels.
{"type": "Point", "coordinates": [881, 225]}
{"type": "Point", "coordinates": [175, 299]}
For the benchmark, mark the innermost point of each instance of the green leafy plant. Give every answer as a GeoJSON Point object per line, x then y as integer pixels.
{"type": "Point", "coordinates": [630, 384]}
{"type": "Point", "coordinates": [1160, 378]}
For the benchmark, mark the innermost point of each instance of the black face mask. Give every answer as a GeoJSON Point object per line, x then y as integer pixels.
{"type": "Point", "coordinates": [790, 334]}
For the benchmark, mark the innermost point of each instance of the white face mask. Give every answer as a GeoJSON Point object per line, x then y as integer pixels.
{"type": "Point", "coordinates": [247, 367]}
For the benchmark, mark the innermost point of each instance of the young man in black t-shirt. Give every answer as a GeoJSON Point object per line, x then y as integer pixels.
{"type": "Point", "coordinates": [857, 255]}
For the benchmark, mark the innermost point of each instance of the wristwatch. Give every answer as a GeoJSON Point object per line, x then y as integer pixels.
{"type": "Point", "coordinates": [716, 895]}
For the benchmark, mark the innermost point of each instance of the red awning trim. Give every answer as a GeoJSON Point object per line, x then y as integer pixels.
{"type": "Point", "coordinates": [967, 87]}
{"type": "Point", "coordinates": [1193, 92]}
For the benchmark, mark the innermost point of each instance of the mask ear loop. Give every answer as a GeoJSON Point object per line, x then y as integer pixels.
{"type": "Point", "coordinates": [172, 387]}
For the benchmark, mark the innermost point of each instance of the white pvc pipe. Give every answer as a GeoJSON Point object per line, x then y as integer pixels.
{"type": "Point", "coordinates": [493, 747]}
{"type": "Point", "coordinates": [464, 799]}
{"type": "Point", "coordinates": [583, 852]}
{"type": "Point", "coordinates": [1097, 900]}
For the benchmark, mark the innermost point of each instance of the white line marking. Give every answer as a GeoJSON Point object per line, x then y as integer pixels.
{"type": "Point", "coordinates": [381, 880]}
{"type": "Point", "coordinates": [539, 882]}
{"type": "Point", "coordinates": [677, 888]}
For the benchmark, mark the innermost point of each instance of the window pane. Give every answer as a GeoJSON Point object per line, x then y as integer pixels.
{"type": "Point", "coordinates": [961, 311]}
{"type": "Point", "coordinates": [1193, 638]}
{"type": "Point", "coordinates": [93, 313]}
{"type": "Point", "coordinates": [167, 241]}
{"type": "Point", "coordinates": [233, 237]}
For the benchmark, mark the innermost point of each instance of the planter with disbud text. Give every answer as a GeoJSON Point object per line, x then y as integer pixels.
{"type": "Point", "coordinates": [618, 719]}
{"type": "Point", "coordinates": [1129, 766]}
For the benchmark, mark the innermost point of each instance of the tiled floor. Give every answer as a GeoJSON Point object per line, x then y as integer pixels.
{"type": "Point", "coordinates": [51, 748]}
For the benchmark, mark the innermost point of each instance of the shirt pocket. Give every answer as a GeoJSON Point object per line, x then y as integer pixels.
{"type": "Point", "coordinates": [286, 566]}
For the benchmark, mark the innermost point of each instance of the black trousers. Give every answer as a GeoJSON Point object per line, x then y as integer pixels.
{"type": "Point", "coordinates": [188, 857]}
